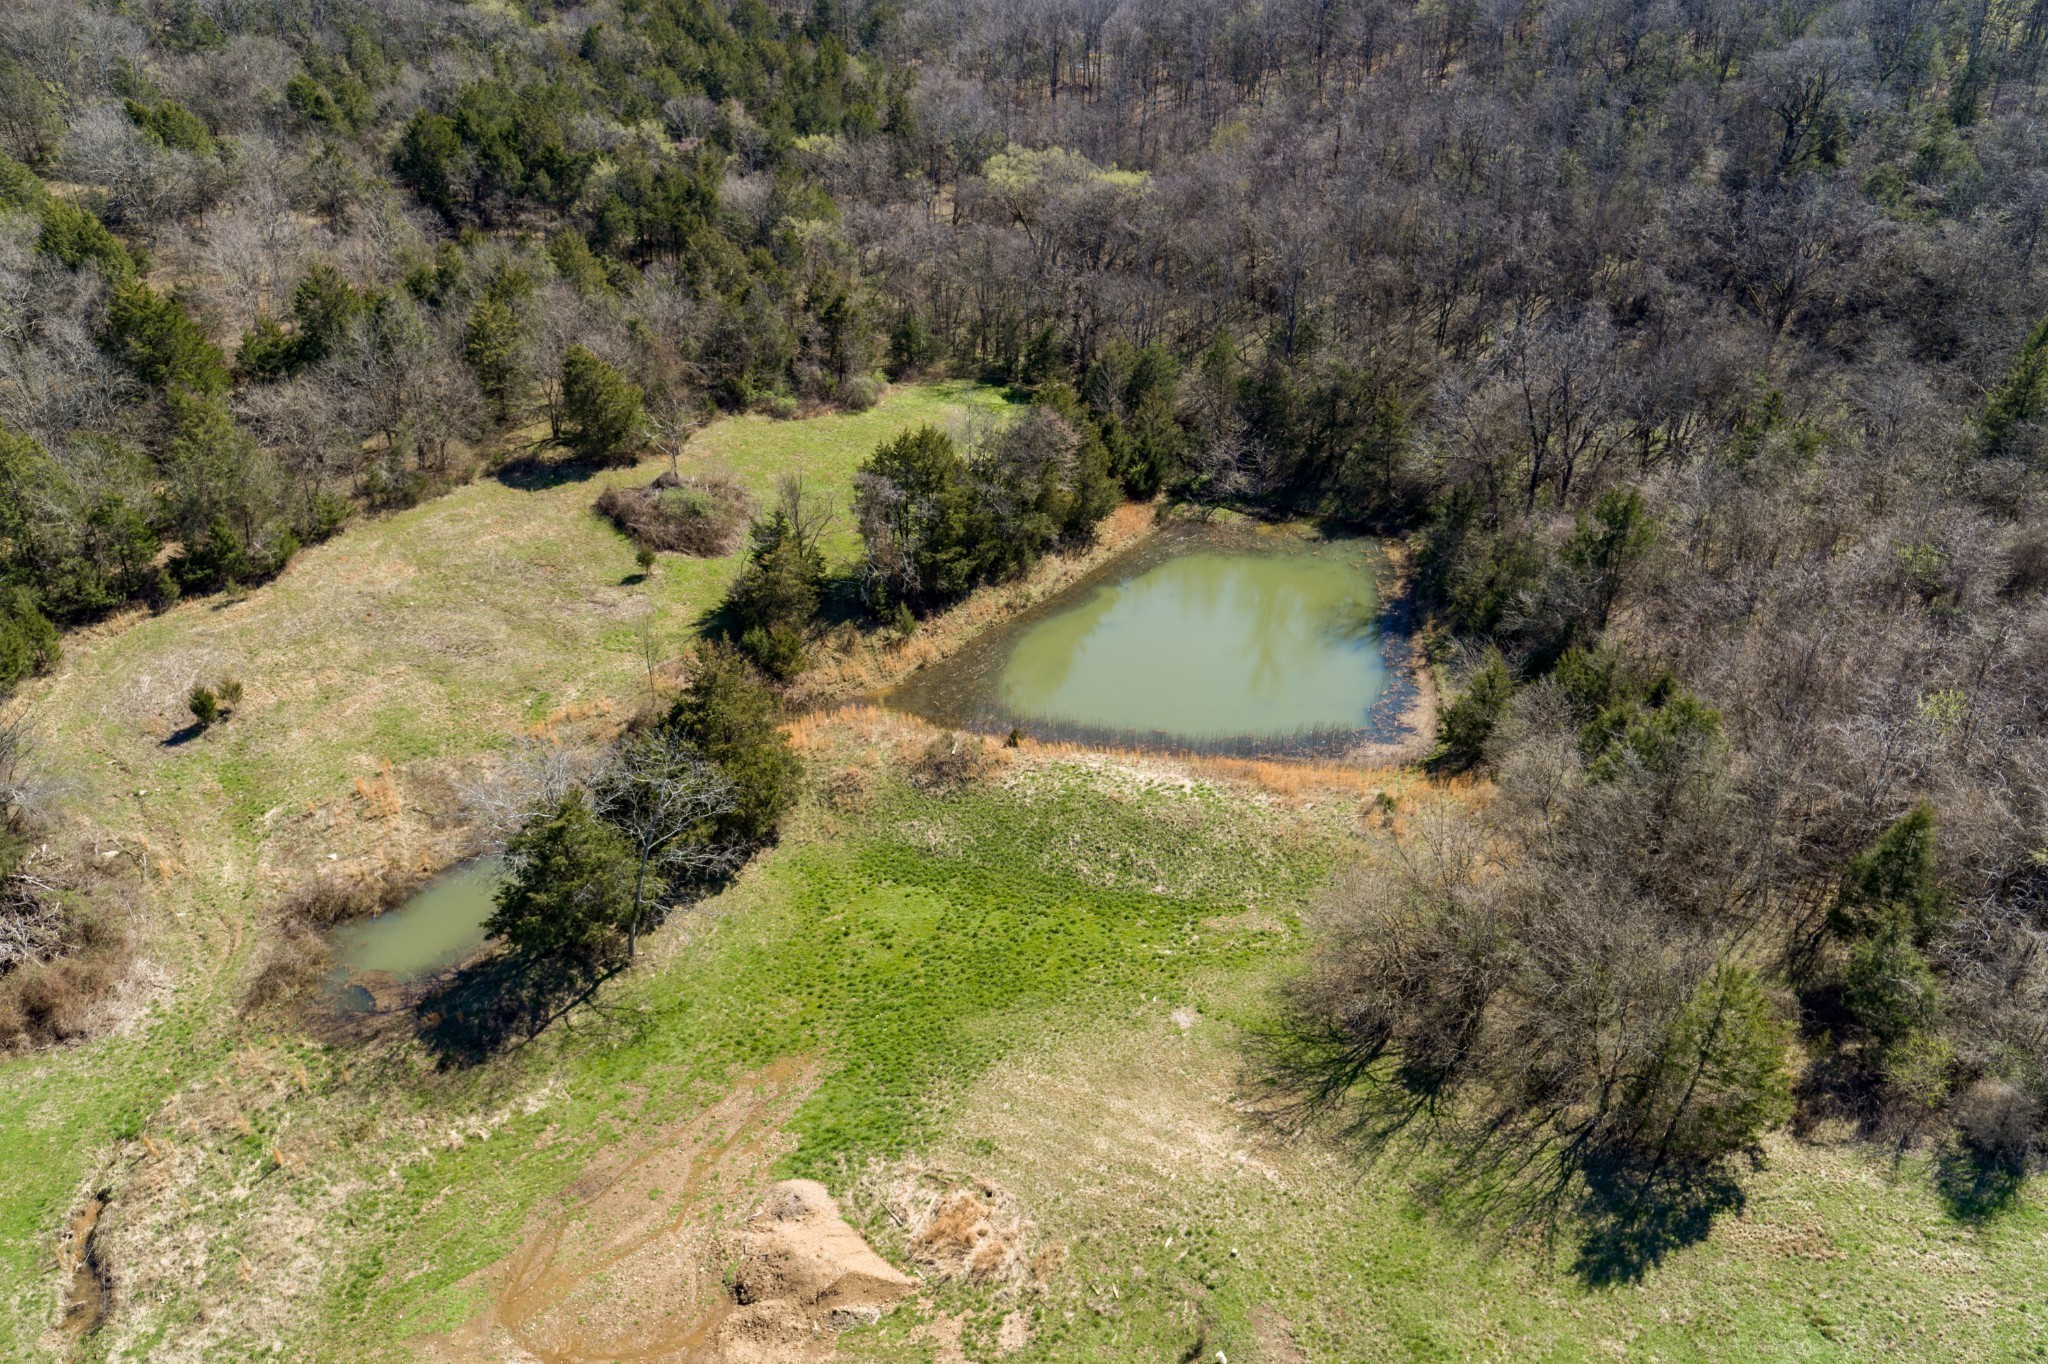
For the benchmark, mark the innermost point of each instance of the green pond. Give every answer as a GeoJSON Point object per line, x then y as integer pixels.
{"type": "Point", "coordinates": [440, 926]}
{"type": "Point", "coordinates": [1249, 640]}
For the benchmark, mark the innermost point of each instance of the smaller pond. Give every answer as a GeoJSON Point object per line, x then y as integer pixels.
{"type": "Point", "coordinates": [1244, 639]}
{"type": "Point", "coordinates": [440, 926]}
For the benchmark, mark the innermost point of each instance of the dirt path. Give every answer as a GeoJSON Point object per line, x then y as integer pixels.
{"type": "Point", "coordinates": [628, 1267]}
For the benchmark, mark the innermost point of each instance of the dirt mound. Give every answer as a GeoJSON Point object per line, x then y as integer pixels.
{"type": "Point", "coordinates": [635, 1260]}
{"type": "Point", "coordinates": [802, 1272]}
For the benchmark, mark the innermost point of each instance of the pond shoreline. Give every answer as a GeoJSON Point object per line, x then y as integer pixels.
{"type": "Point", "coordinates": [863, 665]}
{"type": "Point", "coordinates": [1399, 725]}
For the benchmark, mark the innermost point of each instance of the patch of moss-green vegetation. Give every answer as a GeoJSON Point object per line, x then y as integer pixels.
{"type": "Point", "coordinates": [902, 961]}
{"type": "Point", "coordinates": [906, 953]}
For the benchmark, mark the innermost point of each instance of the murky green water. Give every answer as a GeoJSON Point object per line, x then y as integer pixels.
{"type": "Point", "coordinates": [1207, 637]}
{"type": "Point", "coordinates": [439, 926]}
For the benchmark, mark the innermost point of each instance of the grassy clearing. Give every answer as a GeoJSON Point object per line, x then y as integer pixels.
{"type": "Point", "coordinates": [378, 667]}
{"type": "Point", "coordinates": [902, 957]}
{"type": "Point", "coordinates": [1045, 984]}
{"type": "Point", "coordinates": [1188, 1230]}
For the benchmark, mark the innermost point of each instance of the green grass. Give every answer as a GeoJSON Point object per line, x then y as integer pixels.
{"type": "Point", "coordinates": [1047, 984]}
{"type": "Point", "coordinates": [422, 640]}
{"type": "Point", "coordinates": [902, 973]}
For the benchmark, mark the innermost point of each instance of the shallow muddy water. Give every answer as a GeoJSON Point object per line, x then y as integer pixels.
{"type": "Point", "coordinates": [441, 924]}
{"type": "Point", "coordinates": [1204, 638]}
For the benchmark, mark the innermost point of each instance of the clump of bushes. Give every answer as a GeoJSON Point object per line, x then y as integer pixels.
{"type": "Point", "coordinates": [703, 515]}
{"type": "Point", "coordinates": [680, 802]}
{"type": "Point", "coordinates": [210, 705]}
{"type": "Point", "coordinates": [294, 962]}
{"type": "Point", "coordinates": [952, 762]}
{"type": "Point", "coordinates": [850, 790]}
{"type": "Point", "coordinates": [52, 1001]}
{"type": "Point", "coordinates": [69, 958]}
{"type": "Point", "coordinates": [937, 521]}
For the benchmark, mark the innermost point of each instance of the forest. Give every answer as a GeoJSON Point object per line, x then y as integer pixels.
{"type": "Point", "coordinates": [1696, 350]}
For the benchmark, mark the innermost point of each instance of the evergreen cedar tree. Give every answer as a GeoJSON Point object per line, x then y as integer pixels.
{"type": "Point", "coordinates": [774, 598]}
{"type": "Point", "coordinates": [601, 412]}
{"type": "Point", "coordinates": [731, 717]}
{"type": "Point", "coordinates": [573, 889]}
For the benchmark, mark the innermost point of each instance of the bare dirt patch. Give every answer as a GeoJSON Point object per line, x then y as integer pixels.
{"type": "Point", "coordinates": [88, 1293]}
{"type": "Point", "coordinates": [645, 1262]}
{"type": "Point", "coordinates": [801, 1272]}
{"type": "Point", "coordinates": [961, 1227]}
{"type": "Point", "coordinates": [1275, 1338]}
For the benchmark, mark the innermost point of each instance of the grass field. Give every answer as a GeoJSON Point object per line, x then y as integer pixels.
{"type": "Point", "coordinates": [376, 666]}
{"type": "Point", "coordinates": [1043, 982]}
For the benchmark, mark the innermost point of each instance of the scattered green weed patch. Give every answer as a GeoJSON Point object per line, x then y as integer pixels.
{"type": "Point", "coordinates": [902, 971]}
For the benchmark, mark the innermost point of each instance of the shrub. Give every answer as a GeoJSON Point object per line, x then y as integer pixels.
{"type": "Point", "coordinates": [701, 515]}
{"type": "Point", "coordinates": [54, 1000]}
{"type": "Point", "coordinates": [731, 716]}
{"type": "Point", "coordinates": [952, 762]}
{"type": "Point", "coordinates": [74, 236]}
{"type": "Point", "coordinates": [1466, 723]}
{"type": "Point", "coordinates": [860, 393]}
{"type": "Point", "coordinates": [28, 641]}
{"type": "Point", "coordinates": [170, 124]}
{"type": "Point", "coordinates": [1998, 1122]}
{"type": "Point", "coordinates": [293, 963]}
{"type": "Point", "coordinates": [777, 650]}
{"type": "Point", "coordinates": [330, 900]}
{"type": "Point", "coordinates": [204, 705]}
{"type": "Point", "coordinates": [156, 338]}
{"type": "Point", "coordinates": [850, 789]}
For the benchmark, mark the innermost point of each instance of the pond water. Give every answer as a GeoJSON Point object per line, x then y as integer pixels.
{"type": "Point", "coordinates": [1245, 640]}
{"type": "Point", "coordinates": [441, 925]}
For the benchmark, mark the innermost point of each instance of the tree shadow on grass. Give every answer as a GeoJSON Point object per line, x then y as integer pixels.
{"type": "Point", "coordinates": [543, 469]}
{"type": "Point", "coordinates": [840, 602]}
{"type": "Point", "coordinates": [1973, 1187]}
{"type": "Point", "coordinates": [499, 1001]}
{"type": "Point", "coordinates": [1629, 1222]}
{"type": "Point", "coordinates": [185, 735]}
